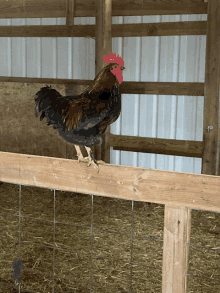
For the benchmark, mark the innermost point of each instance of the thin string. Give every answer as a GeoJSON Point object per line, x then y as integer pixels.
{"type": "Point", "coordinates": [132, 228]}
{"type": "Point", "coordinates": [54, 198]}
{"type": "Point", "coordinates": [91, 247]}
{"type": "Point", "coordinates": [19, 219]}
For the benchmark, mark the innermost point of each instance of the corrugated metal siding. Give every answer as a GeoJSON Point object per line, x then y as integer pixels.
{"type": "Point", "coordinates": [169, 58]}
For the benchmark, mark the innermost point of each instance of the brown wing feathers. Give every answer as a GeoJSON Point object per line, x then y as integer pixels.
{"type": "Point", "coordinates": [72, 115]}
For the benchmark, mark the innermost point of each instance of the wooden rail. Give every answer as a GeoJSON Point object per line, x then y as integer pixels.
{"type": "Point", "coordinates": [118, 30]}
{"type": "Point", "coordinates": [84, 8]}
{"type": "Point", "coordinates": [180, 192]}
{"type": "Point", "coordinates": [131, 183]}
{"type": "Point", "coordinates": [126, 87]}
{"type": "Point", "coordinates": [174, 147]}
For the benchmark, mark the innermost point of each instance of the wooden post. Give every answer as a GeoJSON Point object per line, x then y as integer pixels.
{"type": "Point", "coordinates": [103, 46]}
{"type": "Point", "coordinates": [211, 126]}
{"type": "Point", "coordinates": [69, 12]}
{"type": "Point", "coordinates": [175, 251]}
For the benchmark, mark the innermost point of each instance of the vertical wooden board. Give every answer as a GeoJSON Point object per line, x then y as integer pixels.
{"type": "Point", "coordinates": [117, 46]}
{"type": "Point", "coordinates": [103, 47]}
{"type": "Point", "coordinates": [177, 225]}
{"type": "Point", "coordinates": [211, 90]}
{"type": "Point", "coordinates": [70, 12]}
{"type": "Point", "coordinates": [21, 131]}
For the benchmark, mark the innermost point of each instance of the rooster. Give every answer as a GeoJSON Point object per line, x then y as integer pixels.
{"type": "Point", "coordinates": [83, 119]}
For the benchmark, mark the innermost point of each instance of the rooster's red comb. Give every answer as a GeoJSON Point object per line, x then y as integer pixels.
{"type": "Point", "coordinates": [113, 58]}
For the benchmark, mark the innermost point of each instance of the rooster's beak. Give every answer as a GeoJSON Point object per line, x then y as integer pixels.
{"type": "Point", "coordinates": [122, 67]}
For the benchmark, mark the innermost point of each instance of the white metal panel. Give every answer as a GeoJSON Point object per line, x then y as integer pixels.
{"type": "Point", "coordinates": [171, 58]}
{"type": "Point", "coordinates": [84, 53]}
{"type": "Point", "coordinates": [18, 52]}
{"type": "Point", "coordinates": [33, 49]}
{"type": "Point", "coordinates": [5, 55]}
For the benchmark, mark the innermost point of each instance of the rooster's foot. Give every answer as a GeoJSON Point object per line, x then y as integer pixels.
{"type": "Point", "coordinates": [89, 161]}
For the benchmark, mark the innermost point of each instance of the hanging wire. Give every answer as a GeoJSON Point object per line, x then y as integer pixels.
{"type": "Point", "coordinates": [19, 219]}
{"type": "Point", "coordinates": [91, 247]}
{"type": "Point", "coordinates": [54, 198]}
{"type": "Point", "coordinates": [17, 265]}
{"type": "Point", "coordinates": [132, 228]}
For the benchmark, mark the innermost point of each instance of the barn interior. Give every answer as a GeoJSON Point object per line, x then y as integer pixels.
{"type": "Point", "coordinates": [148, 221]}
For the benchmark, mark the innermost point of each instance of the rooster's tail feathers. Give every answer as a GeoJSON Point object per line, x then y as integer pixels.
{"type": "Point", "coordinates": [48, 102]}
{"type": "Point", "coordinates": [44, 99]}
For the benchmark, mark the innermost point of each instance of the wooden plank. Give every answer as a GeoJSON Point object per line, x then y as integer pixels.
{"type": "Point", "coordinates": [118, 30]}
{"type": "Point", "coordinates": [159, 29]}
{"type": "Point", "coordinates": [163, 88]}
{"type": "Point", "coordinates": [211, 122]}
{"type": "Point", "coordinates": [126, 87]}
{"type": "Point", "coordinates": [139, 184]}
{"type": "Point", "coordinates": [48, 81]}
{"type": "Point", "coordinates": [177, 225]}
{"type": "Point", "coordinates": [70, 12]}
{"type": "Point", "coordinates": [103, 46]}
{"type": "Point", "coordinates": [84, 8]}
{"type": "Point", "coordinates": [48, 31]}
{"type": "Point", "coordinates": [187, 148]}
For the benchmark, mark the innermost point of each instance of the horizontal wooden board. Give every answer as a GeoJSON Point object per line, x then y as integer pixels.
{"type": "Point", "coordinates": [162, 88]}
{"type": "Point", "coordinates": [83, 8]}
{"type": "Point", "coordinates": [159, 29]}
{"type": "Point", "coordinates": [45, 80]}
{"type": "Point", "coordinates": [126, 87]}
{"type": "Point", "coordinates": [118, 30]}
{"type": "Point", "coordinates": [187, 148]}
{"type": "Point", "coordinates": [138, 184]}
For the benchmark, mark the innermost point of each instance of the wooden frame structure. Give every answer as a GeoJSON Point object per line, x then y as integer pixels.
{"type": "Point", "coordinates": [180, 192]}
{"type": "Point", "coordinates": [184, 191]}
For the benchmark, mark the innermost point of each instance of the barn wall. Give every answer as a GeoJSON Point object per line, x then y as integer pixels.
{"type": "Point", "coordinates": [170, 58]}
{"type": "Point", "coordinates": [20, 132]}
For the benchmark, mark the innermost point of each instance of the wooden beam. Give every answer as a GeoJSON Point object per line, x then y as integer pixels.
{"type": "Point", "coordinates": [211, 123]}
{"type": "Point", "coordinates": [48, 31]}
{"type": "Point", "coordinates": [159, 29]}
{"type": "Point", "coordinates": [187, 148]}
{"type": "Point", "coordinates": [177, 225]}
{"type": "Point", "coordinates": [85, 82]}
{"type": "Point", "coordinates": [118, 30]}
{"type": "Point", "coordinates": [139, 184]}
{"type": "Point", "coordinates": [126, 87]}
{"type": "Point", "coordinates": [84, 8]}
{"type": "Point", "coordinates": [103, 46]}
{"type": "Point", "coordinates": [163, 88]}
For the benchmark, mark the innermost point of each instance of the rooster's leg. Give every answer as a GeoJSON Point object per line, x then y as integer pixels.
{"type": "Point", "coordinates": [79, 154]}
{"type": "Point", "coordinates": [92, 160]}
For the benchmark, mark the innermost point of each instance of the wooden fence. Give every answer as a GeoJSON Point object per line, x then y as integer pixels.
{"type": "Point", "coordinates": [179, 192]}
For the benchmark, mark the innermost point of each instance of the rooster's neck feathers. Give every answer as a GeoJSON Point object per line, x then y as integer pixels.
{"type": "Point", "coordinates": [104, 81]}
